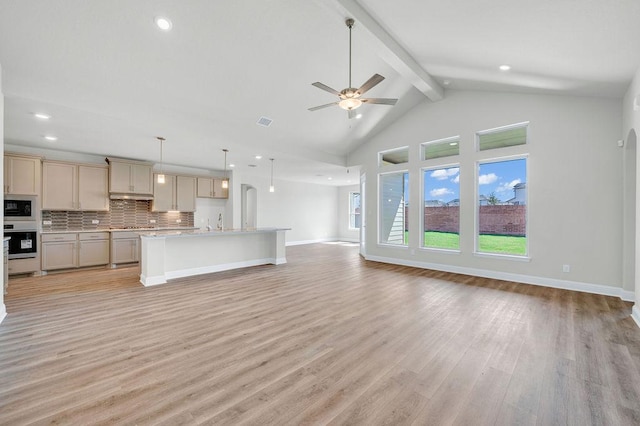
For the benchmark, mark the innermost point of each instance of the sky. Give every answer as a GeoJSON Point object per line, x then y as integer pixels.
{"type": "Point", "coordinates": [498, 177]}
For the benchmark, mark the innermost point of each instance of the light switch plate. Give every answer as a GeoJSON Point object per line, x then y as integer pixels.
{"type": "Point", "coordinates": [46, 222]}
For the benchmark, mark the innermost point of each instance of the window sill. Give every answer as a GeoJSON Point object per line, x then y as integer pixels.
{"type": "Point", "coordinates": [503, 256]}
{"type": "Point", "coordinates": [394, 246]}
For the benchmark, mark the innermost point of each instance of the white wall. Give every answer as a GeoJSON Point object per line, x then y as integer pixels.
{"type": "Point", "coordinates": [344, 232]}
{"type": "Point", "coordinates": [308, 209]}
{"type": "Point", "coordinates": [575, 184]}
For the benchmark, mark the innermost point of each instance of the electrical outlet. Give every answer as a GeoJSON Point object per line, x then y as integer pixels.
{"type": "Point", "coordinates": [566, 268]}
{"type": "Point", "coordinates": [46, 222]}
{"type": "Point", "coordinates": [95, 221]}
{"type": "Point", "coordinates": [152, 221]}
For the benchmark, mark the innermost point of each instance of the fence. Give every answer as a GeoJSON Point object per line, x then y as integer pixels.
{"type": "Point", "coordinates": [496, 220]}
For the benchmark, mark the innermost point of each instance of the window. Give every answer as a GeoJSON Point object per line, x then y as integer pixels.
{"type": "Point", "coordinates": [394, 196]}
{"type": "Point", "coordinates": [442, 208]}
{"type": "Point", "coordinates": [354, 210]}
{"type": "Point", "coordinates": [441, 148]}
{"type": "Point", "coordinates": [394, 156]}
{"type": "Point", "coordinates": [515, 134]}
{"type": "Point", "coordinates": [502, 204]}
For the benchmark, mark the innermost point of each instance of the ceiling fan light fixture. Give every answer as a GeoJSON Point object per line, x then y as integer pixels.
{"type": "Point", "coordinates": [349, 103]}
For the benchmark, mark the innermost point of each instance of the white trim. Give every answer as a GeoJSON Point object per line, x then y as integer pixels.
{"type": "Point", "coordinates": [3, 312]}
{"type": "Point", "coordinates": [489, 255]}
{"type": "Point", "coordinates": [150, 281]}
{"type": "Point", "coordinates": [635, 313]}
{"type": "Point", "coordinates": [525, 279]}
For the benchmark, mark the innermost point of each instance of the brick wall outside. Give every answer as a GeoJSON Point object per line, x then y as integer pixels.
{"type": "Point", "coordinates": [496, 220]}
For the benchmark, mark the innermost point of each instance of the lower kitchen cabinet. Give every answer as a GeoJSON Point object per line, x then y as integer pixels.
{"type": "Point", "coordinates": [74, 250]}
{"type": "Point", "coordinates": [125, 247]}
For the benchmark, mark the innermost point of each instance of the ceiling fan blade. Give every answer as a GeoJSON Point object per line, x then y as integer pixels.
{"type": "Point", "coordinates": [323, 106]}
{"type": "Point", "coordinates": [351, 113]}
{"type": "Point", "coordinates": [325, 87]}
{"type": "Point", "coordinates": [379, 101]}
{"type": "Point", "coordinates": [377, 78]}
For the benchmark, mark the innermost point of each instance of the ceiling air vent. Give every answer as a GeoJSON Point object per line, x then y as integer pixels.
{"type": "Point", "coordinates": [264, 121]}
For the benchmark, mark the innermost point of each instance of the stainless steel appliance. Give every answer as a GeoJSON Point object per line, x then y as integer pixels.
{"type": "Point", "coordinates": [19, 208]}
{"type": "Point", "coordinates": [24, 239]}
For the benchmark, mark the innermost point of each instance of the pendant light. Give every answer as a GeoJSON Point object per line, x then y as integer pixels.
{"type": "Point", "coordinates": [225, 181]}
{"type": "Point", "coordinates": [271, 187]}
{"type": "Point", "coordinates": [161, 174]}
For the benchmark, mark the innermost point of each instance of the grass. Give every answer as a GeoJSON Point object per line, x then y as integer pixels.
{"type": "Point", "coordinates": [502, 244]}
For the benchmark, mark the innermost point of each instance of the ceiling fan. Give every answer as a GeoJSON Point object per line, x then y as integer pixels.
{"type": "Point", "coordinates": [350, 98]}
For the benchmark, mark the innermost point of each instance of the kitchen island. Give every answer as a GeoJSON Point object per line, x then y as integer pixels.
{"type": "Point", "coordinates": [167, 255]}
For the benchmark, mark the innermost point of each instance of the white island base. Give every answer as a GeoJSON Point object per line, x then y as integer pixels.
{"type": "Point", "coordinates": [171, 254]}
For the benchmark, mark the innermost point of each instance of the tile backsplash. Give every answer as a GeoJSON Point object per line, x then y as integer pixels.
{"type": "Point", "coordinates": [121, 214]}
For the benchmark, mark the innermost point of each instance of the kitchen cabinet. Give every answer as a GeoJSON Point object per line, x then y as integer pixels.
{"type": "Point", "coordinates": [125, 247]}
{"type": "Point", "coordinates": [21, 174]}
{"type": "Point", "coordinates": [211, 188]}
{"type": "Point", "coordinates": [69, 186]}
{"type": "Point", "coordinates": [130, 177]}
{"type": "Point", "coordinates": [74, 250]}
{"type": "Point", "coordinates": [176, 193]}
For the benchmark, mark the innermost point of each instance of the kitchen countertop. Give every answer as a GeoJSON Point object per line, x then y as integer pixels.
{"type": "Point", "coordinates": [74, 231]}
{"type": "Point", "coordinates": [198, 232]}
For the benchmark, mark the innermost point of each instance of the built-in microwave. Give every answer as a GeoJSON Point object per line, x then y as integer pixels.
{"type": "Point", "coordinates": [20, 208]}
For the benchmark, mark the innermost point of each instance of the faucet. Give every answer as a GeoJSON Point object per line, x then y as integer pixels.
{"type": "Point", "coordinates": [219, 226]}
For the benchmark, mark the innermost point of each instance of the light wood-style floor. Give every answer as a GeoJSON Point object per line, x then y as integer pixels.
{"type": "Point", "coordinates": [326, 339]}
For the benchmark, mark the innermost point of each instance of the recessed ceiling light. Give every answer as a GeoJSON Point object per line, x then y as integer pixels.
{"type": "Point", "coordinates": [232, 165]}
{"type": "Point", "coordinates": [258, 157]}
{"type": "Point", "coordinates": [446, 82]}
{"type": "Point", "coordinates": [42, 116]}
{"type": "Point", "coordinates": [359, 116]}
{"type": "Point", "coordinates": [163, 23]}
{"type": "Point", "coordinates": [51, 138]}
{"type": "Point", "coordinates": [505, 67]}
{"type": "Point", "coordinates": [330, 178]}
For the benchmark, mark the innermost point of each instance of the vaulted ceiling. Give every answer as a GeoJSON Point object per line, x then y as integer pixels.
{"type": "Point", "coordinates": [112, 81]}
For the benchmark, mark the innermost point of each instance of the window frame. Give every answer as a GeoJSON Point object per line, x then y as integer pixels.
{"type": "Point", "coordinates": [402, 171]}
{"type": "Point", "coordinates": [449, 139]}
{"type": "Point", "coordinates": [476, 252]}
{"type": "Point", "coordinates": [479, 133]}
{"type": "Point", "coordinates": [423, 170]}
{"type": "Point", "coordinates": [351, 194]}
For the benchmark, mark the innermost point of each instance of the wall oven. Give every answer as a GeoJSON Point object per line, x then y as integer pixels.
{"type": "Point", "coordinates": [24, 239]}
{"type": "Point", "coordinates": [19, 208]}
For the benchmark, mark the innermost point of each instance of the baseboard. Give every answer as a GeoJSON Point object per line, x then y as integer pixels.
{"type": "Point", "coordinates": [3, 312]}
{"type": "Point", "coordinates": [635, 314]}
{"type": "Point", "coordinates": [302, 242]}
{"type": "Point", "coordinates": [525, 279]}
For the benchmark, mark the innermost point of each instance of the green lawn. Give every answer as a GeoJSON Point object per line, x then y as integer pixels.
{"type": "Point", "coordinates": [487, 243]}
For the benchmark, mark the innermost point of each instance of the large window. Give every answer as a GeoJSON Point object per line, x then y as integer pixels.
{"type": "Point", "coordinates": [502, 207]}
{"type": "Point", "coordinates": [442, 208]}
{"type": "Point", "coordinates": [354, 210]}
{"type": "Point", "coordinates": [394, 196]}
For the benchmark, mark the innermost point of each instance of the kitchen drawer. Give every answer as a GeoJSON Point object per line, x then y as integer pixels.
{"type": "Point", "coordinates": [48, 238]}
{"type": "Point", "coordinates": [125, 235]}
{"type": "Point", "coordinates": [85, 236]}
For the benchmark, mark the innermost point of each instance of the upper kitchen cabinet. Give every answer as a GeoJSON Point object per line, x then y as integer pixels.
{"type": "Point", "coordinates": [68, 186]}
{"type": "Point", "coordinates": [211, 188]}
{"type": "Point", "coordinates": [21, 174]}
{"type": "Point", "coordinates": [130, 177]}
{"type": "Point", "coordinates": [176, 193]}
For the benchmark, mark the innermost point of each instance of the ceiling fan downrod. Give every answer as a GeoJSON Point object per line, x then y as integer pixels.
{"type": "Point", "coordinates": [349, 23]}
